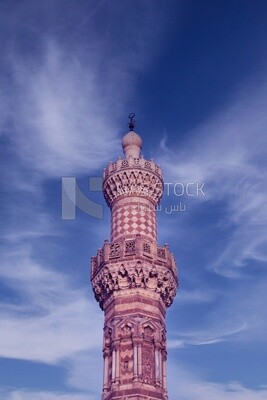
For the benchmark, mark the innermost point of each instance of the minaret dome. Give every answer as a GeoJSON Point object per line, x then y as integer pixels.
{"type": "Point", "coordinates": [131, 145]}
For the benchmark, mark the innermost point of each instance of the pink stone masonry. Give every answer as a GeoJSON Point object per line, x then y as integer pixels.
{"type": "Point", "coordinates": [134, 280]}
{"type": "Point", "coordinates": [131, 218]}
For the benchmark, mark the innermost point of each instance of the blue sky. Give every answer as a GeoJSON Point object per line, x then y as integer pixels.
{"type": "Point", "coordinates": [194, 72]}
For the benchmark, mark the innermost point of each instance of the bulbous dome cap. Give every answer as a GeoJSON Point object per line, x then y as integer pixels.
{"type": "Point", "coordinates": [131, 144]}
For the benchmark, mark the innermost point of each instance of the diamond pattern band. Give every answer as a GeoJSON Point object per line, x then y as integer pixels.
{"type": "Point", "coordinates": [130, 219]}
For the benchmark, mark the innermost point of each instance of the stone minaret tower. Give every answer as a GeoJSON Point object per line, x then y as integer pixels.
{"type": "Point", "coordinates": [134, 279]}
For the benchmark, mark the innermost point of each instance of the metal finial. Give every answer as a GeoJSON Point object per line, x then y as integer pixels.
{"type": "Point", "coordinates": [131, 123]}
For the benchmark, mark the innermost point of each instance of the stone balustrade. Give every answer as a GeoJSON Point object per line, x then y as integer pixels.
{"type": "Point", "coordinates": [132, 264]}
{"type": "Point", "coordinates": [132, 163]}
{"type": "Point", "coordinates": [137, 247]}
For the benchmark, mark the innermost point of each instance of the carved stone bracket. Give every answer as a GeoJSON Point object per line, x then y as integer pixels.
{"type": "Point", "coordinates": [134, 274]}
{"type": "Point", "coordinates": [143, 183]}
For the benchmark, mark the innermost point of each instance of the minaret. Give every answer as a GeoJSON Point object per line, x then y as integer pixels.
{"type": "Point", "coordinates": [134, 279]}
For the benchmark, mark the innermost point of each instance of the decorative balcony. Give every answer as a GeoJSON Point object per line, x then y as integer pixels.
{"type": "Point", "coordinates": [132, 177]}
{"type": "Point", "coordinates": [132, 163]}
{"type": "Point", "coordinates": [134, 263]}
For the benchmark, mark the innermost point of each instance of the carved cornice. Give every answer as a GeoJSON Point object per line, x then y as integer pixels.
{"type": "Point", "coordinates": [134, 274]}
{"type": "Point", "coordinates": [134, 177]}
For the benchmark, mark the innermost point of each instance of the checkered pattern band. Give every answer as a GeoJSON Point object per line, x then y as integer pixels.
{"type": "Point", "coordinates": [131, 218]}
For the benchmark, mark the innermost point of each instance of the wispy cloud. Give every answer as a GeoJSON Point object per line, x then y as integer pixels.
{"type": "Point", "coordinates": [64, 103]}
{"type": "Point", "coordinates": [51, 319]}
{"type": "Point", "coordinates": [61, 116]}
{"type": "Point", "coordinates": [85, 371]}
{"type": "Point", "coordinates": [228, 154]}
{"type": "Point", "coordinates": [196, 296]}
{"type": "Point", "coordinates": [238, 315]}
{"type": "Point", "coordinates": [187, 386]}
{"type": "Point", "coordinates": [31, 395]}
{"type": "Point", "coordinates": [200, 338]}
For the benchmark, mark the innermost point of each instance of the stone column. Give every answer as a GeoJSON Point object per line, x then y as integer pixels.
{"type": "Point", "coordinates": [160, 368]}
{"type": "Point", "coordinates": [113, 366]}
{"type": "Point", "coordinates": [164, 372]}
{"type": "Point", "coordinates": [117, 362]}
{"type": "Point", "coordinates": [157, 364]}
{"type": "Point", "coordinates": [135, 360]}
{"type": "Point", "coordinates": [106, 365]}
{"type": "Point", "coordinates": [139, 356]}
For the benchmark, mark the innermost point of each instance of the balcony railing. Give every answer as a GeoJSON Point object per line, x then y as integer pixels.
{"type": "Point", "coordinates": [126, 249]}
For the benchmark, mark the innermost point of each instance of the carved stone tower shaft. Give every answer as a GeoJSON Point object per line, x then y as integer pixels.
{"type": "Point", "coordinates": [134, 280]}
